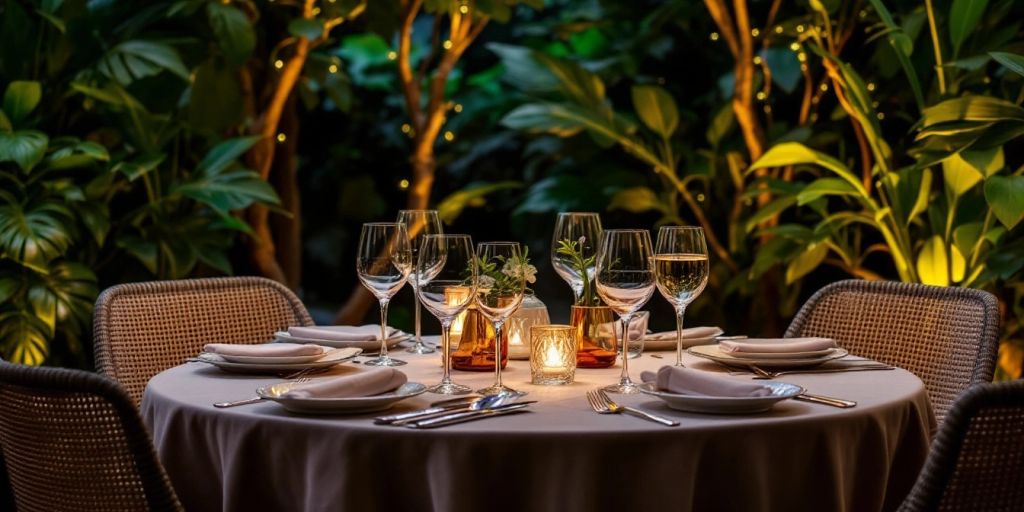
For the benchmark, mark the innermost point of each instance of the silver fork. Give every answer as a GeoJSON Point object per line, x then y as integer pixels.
{"type": "Point", "coordinates": [252, 400]}
{"type": "Point", "coordinates": [601, 404]}
{"type": "Point", "coordinates": [808, 397]}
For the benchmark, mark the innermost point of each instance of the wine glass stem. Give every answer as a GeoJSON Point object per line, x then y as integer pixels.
{"type": "Point", "coordinates": [680, 311]}
{"type": "Point", "coordinates": [624, 378]}
{"type": "Point", "coordinates": [446, 332]}
{"type": "Point", "coordinates": [497, 353]}
{"type": "Point", "coordinates": [416, 293]}
{"type": "Point", "coordinates": [384, 328]}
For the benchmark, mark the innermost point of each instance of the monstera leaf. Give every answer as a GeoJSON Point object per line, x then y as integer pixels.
{"type": "Point", "coordinates": [35, 233]}
{"type": "Point", "coordinates": [24, 338]}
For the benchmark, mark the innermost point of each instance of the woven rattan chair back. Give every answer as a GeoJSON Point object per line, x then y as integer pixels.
{"type": "Point", "coordinates": [977, 459]}
{"type": "Point", "coordinates": [142, 329]}
{"type": "Point", "coordinates": [945, 336]}
{"type": "Point", "coordinates": [73, 441]}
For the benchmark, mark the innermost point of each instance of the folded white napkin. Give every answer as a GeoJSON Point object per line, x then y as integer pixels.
{"type": "Point", "coordinates": [684, 381]}
{"type": "Point", "coordinates": [364, 383]}
{"type": "Point", "coordinates": [369, 332]}
{"type": "Point", "coordinates": [637, 327]}
{"type": "Point", "coordinates": [264, 350]}
{"type": "Point", "coordinates": [690, 333]}
{"type": "Point", "coordinates": [776, 345]}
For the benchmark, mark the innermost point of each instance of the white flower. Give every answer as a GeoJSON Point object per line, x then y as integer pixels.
{"type": "Point", "coordinates": [517, 270]}
{"type": "Point", "coordinates": [485, 282]}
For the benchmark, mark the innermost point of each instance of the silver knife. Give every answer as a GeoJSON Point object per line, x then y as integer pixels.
{"type": "Point", "coordinates": [405, 416]}
{"type": "Point", "coordinates": [462, 417]}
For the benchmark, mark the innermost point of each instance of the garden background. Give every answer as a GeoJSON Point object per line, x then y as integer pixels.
{"type": "Point", "coordinates": [813, 140]}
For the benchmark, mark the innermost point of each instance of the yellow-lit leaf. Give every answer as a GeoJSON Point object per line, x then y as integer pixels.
{"type": "Point", "coordinates": [960, 175]}
{"type": "Point", "coordinates": [806, 262]}
{"type": "Point", "coordinates": [932, 264]}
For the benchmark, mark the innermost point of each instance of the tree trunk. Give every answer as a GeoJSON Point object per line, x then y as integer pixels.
{"type": "Point", "coordinates": [287, 230]}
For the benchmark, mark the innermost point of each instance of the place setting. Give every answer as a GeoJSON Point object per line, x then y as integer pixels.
{"type": "Point", "coordinates": [274, 358]}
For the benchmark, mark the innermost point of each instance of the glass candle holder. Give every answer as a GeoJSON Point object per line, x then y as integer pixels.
{"type": "Point", "coordinates": [552, 354]}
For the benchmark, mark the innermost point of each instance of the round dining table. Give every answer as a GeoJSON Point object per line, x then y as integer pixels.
{"type": "Point", "coordinates": [560, 456]}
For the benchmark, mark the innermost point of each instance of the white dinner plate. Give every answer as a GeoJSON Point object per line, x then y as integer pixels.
{"type": "Point", "coordinates": [366, 346]}
{"type": "Point", "coordinates": [725, 404]}
{"type": "Point", "coordinates": [351, 405]}
{"type": "Point", "coordinates": [277, 360]}
{"type": "Point", "coordinates": [336, 356]}
{"type": "Point", "coordinates": [670, 344]}
{"type": "Point", "coordinates": [713, 353]}
{"type": "Point", "coordinates": [782, 355]}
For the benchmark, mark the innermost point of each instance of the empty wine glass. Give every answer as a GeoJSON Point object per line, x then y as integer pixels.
{"type": "Point", "coordinates": [419, 224]}
{"type": "Point", "coordinates": [681, 270]}
{"type": "Point", "coordinates": [447, 284]}
{"type": "Point", "coordinates": [583, 228]}
{"type": "Point", "coordinates": [500, 287]}
{"type": "Point", "coordinates": [625, 281]}
{"type": "Point", "coordinates": [383, 263]}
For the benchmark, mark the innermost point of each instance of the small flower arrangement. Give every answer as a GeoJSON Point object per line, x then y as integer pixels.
{"type": "Point", "coordinates": [574, 250]}
{"type": "Point", "coordinates": [503, 281]}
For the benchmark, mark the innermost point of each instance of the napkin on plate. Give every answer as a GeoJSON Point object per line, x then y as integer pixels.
{"type": "Point", "coordinates": [364, 383]}
{"type": "Point", "coordinates": [685, 381]}
{"type": "Point", "coordinates": [637, 327]}
{"type": "Point", "coordinates": [776, 345]}
{"type": "Point", "coordinates": [690, 333]}
{"type": "Point", "coordinates": [369, 332]}
{"type": "Point", "coordinates": [264, 350]}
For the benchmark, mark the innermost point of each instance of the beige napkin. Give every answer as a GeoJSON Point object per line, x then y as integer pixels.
{"type": "Point", "coordinates": [776, 345]}
{"type": "Point", "coordinates": [637, 327]}
{"type": "Point", "coordinates": [264, 350]}
{"type": "Point", "coordinates": [690, 333]}
{"type": "Point", "coordinates": [369, 332]}
{"type": "Point", "coordinates": [684, 381]}
{"type": "Point", "coordinates": [364, 383]}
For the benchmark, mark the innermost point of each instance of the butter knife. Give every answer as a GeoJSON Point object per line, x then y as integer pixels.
{"type": "Point", "coordinates": [462, 417]}
{"type": "Point", "coordinates": [826, 400]}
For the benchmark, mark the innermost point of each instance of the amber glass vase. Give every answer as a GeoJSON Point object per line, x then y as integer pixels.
{"type": "Point", "coordinates": [475, 351]}
{"type": "Point", "coordinates": [596, 347]}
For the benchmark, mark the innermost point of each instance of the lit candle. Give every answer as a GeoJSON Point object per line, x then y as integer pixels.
{"type": "Point", "coordinates": [552, 354]}
{"type": "Point", "coordinates": [553, 360]}
{"type": "Point", "coordinates": [453, 297]}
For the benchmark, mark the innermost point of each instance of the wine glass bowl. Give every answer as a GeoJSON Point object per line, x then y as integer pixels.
{"type": "Point", "coordinates": [383, 263]}
{"type": "Point", "coordinates": [584, 228]}
{"type": "Point", "coordinates": [681, 268]}
{"type": "Point", "coordinates": [501, 284]}
{"type": "Point", "coordinates": [625, 281]}
{"type": "Point", "coordinates": [447, 280]}
{"type": "Point", "coordinates": [419, 224]}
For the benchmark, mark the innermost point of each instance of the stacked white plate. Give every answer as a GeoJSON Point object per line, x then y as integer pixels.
{"type": "Point", "coordinates": [347, 405]}
{"type": "Point", "coordinates": [767, 359]}
{"type": "Point", "coordinates": [670, 343]}
{"type": "Point", "coordinates": [368, 346]}
{"type": "Point", "coordinates": [261, 364]}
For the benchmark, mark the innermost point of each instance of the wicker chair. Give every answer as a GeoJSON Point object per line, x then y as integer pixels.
{"type": "Point", "coordinates": [73, 440]}
{"type": "Point", "coordinates": [945, 336]}
{"type": "Point", "coordinates": [142, 329]}
{"type": "Point", "coordinates": [977, 459]}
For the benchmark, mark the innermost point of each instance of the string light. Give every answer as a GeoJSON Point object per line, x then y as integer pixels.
{"type": "Point", "coordinates": [278, 63]}
{"type": "Point", "coordinates": [874, 104]}
{"type": "Point", "coordinates": [778, 29]}
{"type": "Point", "coordinates": [714, 36]}
{"type": "Point", "coordinates": [449, 136]}
{"type": "Point", "coordinates": [457, 108]}
{"type": "Point", "coordinates": [871, 86]}
{"type": "Point", "coordinates": [757, 60]}
{"type": "Point", "coordinates": [824, 87]}
{"type": "Point", "coordinates": [802, 57]}
{"type": "Point", "coordinates": [333, 68]}
{"type": "Point", "coordinates": [700, 198]}
{"type": "Point", "coordinates": [464, 9]}
{"type": "Point", "coordinates": [800, 29]}
{"type": "Point", "coordinates": [403, 184]}
{"type": "Point", "coordinates": [447, 44]}
{"type": "Point", "coordinates": [281, 137]}
{"type": "Point", "coordinates": [755, 32]}
{"type": "Point", "coordinates": [392, 55]}
{"type": "Point", "coordinates": [761, 95]}
{"type": "Point", "coordinates": [881, 116]}
{"type": "Point", "coordinates": [406, 128]}
{"type": "Point", "coordinates": [795, 47]}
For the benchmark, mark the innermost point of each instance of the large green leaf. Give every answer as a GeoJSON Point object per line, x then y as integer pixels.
{"type": "Point", "coordinates": [24, 339]}
{"type": "Point", "coordinates": [1005, 195]}
{"type": "Point", "coordinates": [132, 60]}
{"type": "Point", "coordinates": [25, 147]}
{"type": "Point", "coordinates": [794, 153]}
{"type": "Point", "coordinates": [233, 30]}
{"type": "Point", "coordinates": [20, 99]}
{"type": "Point", "coordinates": [1012, 61]}
{"type": "Point", "coordinates": [768, 211]}
{"type": "Point", "coordinates": [933, 263]}
{"type": "Point", "coordinates": [959, 175]}
{"type": "Point", "coordinates": [36, 233]}
{"type": "Point", "coordinates": [805, 262]}
{"type": "Point", "coordinates": [637, 200]}
{"type": "Point", "coordinates": [221, 156]}
{"type": "Point", "coordinates": [475, 195]}
{"type": "Point", "coordinates": [229, 190]}
{"type": "Point", "coordinates": [656, 109]}
{"type": "Point", "coordinates": [825, 187]}
{"type": "Point", "coordinates": [964, 16]}
{"type": "Point", "coordinates": [972, 108]}
{"type": "Point", "coordinates": [576, 83]}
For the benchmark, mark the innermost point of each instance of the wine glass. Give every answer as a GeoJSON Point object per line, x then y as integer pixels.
{"type": "Point", "coordinates": [419, 224]}
{"type": "Point", "coordinates": [681, 270]}
{"type": "Point", "coordinates": [585, 229]}
{"type": "Point", "coordinates": [383, 264]}
{"type": "Point", "coordinates": [625, 281]}
{"type": "Point", "coordinates": [447, 284]}
{"type": "Point", "coordinates": [500, 287]}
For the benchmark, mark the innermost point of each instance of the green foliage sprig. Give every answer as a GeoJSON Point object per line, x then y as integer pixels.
{"type": "Point", "coordinates": [500, 275]}
{"type": "Point", "coordinates": [574, 249]}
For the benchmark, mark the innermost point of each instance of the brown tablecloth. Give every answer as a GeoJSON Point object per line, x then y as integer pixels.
{"type": "Point", "coordinates": [560, 457]}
